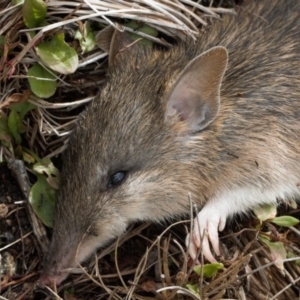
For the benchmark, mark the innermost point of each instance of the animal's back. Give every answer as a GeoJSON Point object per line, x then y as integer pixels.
{"type": "Point", "coordinates": [257, 128]}
{"type": "Point", "coordinates": [264, 52]}
{"type": "Point", "coordinates": [261, 90]}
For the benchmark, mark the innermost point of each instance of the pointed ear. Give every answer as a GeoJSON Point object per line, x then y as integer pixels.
{"type": "Point", "coordinates": [120, 43]}
{"type": "Point", "coordinates": [104, 38]}
{"type": "Point", "coordinates": [115, 42]}
{"type": "Point", "coordinates": [195, 96]}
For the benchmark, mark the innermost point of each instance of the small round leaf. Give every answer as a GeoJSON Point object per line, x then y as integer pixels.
{"type": "Point", "coordinates": [209, 270]}
{"type": "Point", "coordinates": [42, 82]}
{"type": "Point", "coordinates": [34, 12]}
{"type": "Point", "coordinates": [87, 40]}
{"type": "Point", "coordinates": [42, 198]}
{"type": "Point", "coordinates": [58, 55]}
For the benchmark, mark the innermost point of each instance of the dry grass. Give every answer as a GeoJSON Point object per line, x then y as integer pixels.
{"type": "Point", "coordinates": [149, 261]}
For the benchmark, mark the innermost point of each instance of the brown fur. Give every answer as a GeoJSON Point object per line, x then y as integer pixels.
{"type": "Point", "coordinates": [254, 143]}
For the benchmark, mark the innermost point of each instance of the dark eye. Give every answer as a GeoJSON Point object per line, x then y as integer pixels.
{"type": "Point", "coordinates": [116, 178]}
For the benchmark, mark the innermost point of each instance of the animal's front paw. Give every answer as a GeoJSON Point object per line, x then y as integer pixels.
{"type": "Point", "coordinates": [205, 232]}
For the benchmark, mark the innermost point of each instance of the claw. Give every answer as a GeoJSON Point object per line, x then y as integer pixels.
{"type": "Point", "coordinates": [205, 232]}
{"type": "Point", "coordinates": [192, 248]}
{"type": "Point", "coordinates": [222, 223]}
{"type": "Point", "coordinates": [213, 236]}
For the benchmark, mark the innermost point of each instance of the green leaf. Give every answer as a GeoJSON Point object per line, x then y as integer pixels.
{"type": "Point", "coordinates": [194, 288]}
{"type": "Point", "coordinates": [43, 193]}
{"type": "Point", "coordinates": [58, 55]}
{"type": "Point", "coordinates": [292, 255]}
{"type": "Point", "coordinates": [34, 156]}
{"type": "Point", "coordinates": [42, 83]}
{"type": "Point", "coordinates": [285, 221]}
{"type": "Point", "coordinates": [23, 108]}
{"type": "Point", "coordinates": [277, 250]}
{"type": "Point", "coordinates": [209, 270]}
{"type": "Point", "coordinates": [28, 158]}
{"type": "Point", "coordinates": [142, 28]}
{"type": "Point", "coordinates": [42, 198]}
{"type": "Point", "coordinates": [34, 12]}
{"type": "Point", "coordinates": [265, 212]}
{"type": "Point", "coordinates": [87, 40]}
{"type": "Point", "coordinates": [15, 126]}
{"type": "Point", "coordinates": [15, 118]}
{"type": "Point", "coordinates": [45, 166]}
